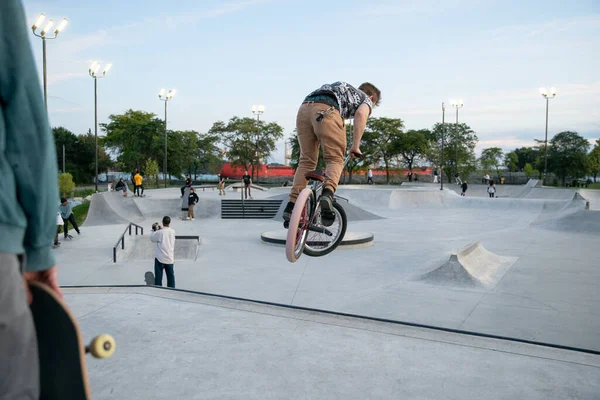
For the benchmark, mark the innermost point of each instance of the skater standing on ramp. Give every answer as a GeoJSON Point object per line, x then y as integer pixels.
{"type": "Point", "coordinates": [320, 120]}
{"type": "Point", "coordinates": [370, 177]}
{"type": "Point", "coordinates": [29, 174]}
{"type": "Point", "coordinates": [435, 176]}
{"type": "Point", "coordinates": [464, 188]}
{"type": "Point", "coordinates": [66, 212]}
{"type": "Point", "coordinates": [164, 256]}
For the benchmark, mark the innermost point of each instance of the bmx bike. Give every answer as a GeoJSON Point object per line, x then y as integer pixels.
{"type": "Point", "coordinates": [306, 232]}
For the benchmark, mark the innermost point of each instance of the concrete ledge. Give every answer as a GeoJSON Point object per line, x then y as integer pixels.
{"type": "Point", "coordinates": [352, 240]}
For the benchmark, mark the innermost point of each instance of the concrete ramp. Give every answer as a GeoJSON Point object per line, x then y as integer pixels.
{"type": "Point", "coordinates": [474, 266]}
{"type": "Point", "coordinates": [110, 208]}
{"type": "Point", "coordinates": [582, 221]}
{"type": "Point", "coordinates": [144, 249]}
{"type": "Point", "coordinates": [592, 197]}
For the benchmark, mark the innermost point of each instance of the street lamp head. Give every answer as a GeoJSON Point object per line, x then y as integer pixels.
{"type": "Point", "coordinates": [61, 26]}
{"type": "Point", "coordinates": [258, 109]}
{"type": "Point", "coordinates": [161, 94]}
{"type": "Point", "coordinates": [93, 67]}
{"type": "Point", "coordinates": [107, 68]}
{"type": "Point", "coordinates": [171, 94]}
{"type": "Point", "coordinates": [47, 27]}
{"type": "Point", "coordinates": [553, 91]}
{"type": "Point", "coordinates": [460, 103]}
{"type": "Point", "coordinates": [543, 91]}
{"type": "Point", "coordinates": [38, 22]}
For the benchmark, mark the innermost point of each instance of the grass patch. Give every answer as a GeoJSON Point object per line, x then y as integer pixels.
{"type": "Point", "coordinates": [594, 186]}
{"type": "Point", "coordinates": [83, 192]}
{"type": "Point", "coordinates": [81, 211]}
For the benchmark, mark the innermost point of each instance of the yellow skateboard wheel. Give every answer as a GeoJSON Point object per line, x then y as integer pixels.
{"type": "Point", "coordinates": [102, 346]}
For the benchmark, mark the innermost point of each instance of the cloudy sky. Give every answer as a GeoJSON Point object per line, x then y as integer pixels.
{"type": "Point", "coordinates": [224, 56]}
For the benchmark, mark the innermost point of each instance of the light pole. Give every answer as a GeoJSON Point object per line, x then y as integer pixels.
{"type": "Point", "coordinates": [457, 104]}
{"type": "Point", "coordinates": [443, 129]}
{"type": "Point", "coordinates": [38, 22]}
{"type": "Point", "coordinates": [93, 71]}
{"type": "Point", "coordinates": [166, 97]}
{"type": "Point", "coordinates": [257, 110]}
{"type": "Point", "coordinates": [544, 93]}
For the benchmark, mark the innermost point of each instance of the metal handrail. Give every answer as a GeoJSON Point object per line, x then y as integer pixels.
{"type": "Point", "coordinates": [122, 238]}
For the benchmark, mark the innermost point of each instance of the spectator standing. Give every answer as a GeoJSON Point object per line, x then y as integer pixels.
{"type": "Point", "coordinates": [138, 180]}
{"type": "Point", "coordinates": [464, 188]}
{"type": "Point", "coordinates": [188, 183]}
{"type": "Point", "coordinates": [192, 201]}
{"type": "Point", "coordinates": [164, 256]}
{"type": "Point", "coordinates": [247, 184]}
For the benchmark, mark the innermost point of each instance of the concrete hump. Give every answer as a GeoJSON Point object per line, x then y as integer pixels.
{"type": "Point", "coordinates": [112, 208]}
{"type": "Point", "coordinates": [474, 266]}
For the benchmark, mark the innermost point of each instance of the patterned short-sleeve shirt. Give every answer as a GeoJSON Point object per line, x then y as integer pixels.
{"type": "Point", "coordinates": [348, 97]}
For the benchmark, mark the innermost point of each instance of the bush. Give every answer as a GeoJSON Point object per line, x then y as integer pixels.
{"type": "Point", "coordinates": [65, 183]}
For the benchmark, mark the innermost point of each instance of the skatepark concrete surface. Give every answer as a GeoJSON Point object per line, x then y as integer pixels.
{"type": "Point", "coordinates": [178, 345]}
{"type": "Point", "coordinates": [523, 266]}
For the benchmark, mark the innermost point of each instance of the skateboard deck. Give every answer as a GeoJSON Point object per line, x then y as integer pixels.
{"type": "Point", "coordinates": [61, 350]}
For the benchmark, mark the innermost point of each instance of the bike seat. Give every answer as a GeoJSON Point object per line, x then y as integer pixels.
{"type": "Point", "coordinates": [315, 175]}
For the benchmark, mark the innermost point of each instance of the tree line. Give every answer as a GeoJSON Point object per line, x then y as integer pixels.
{"type": "Point", "coordinates": [136, 139]}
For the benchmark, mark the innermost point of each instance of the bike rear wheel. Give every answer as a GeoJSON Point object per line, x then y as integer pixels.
{"type": "Point", "coordinates": [319, 244]}
{"type": "Point", "coordinates": [298, 226]}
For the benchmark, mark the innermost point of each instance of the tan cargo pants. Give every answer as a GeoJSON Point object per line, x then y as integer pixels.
{"type": "Point", "coordinates": [330, 133]}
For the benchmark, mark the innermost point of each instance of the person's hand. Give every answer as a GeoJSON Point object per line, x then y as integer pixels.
{"type": "Point", "coordinates": [48, 277]}
{"type": "Point", "coordinates": [355, 152]}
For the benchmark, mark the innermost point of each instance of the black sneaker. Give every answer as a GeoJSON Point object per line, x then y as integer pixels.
{"type": "Point", "coordinates": [287, 214]}
{"type": "Point", "coordinates": [326, 202]}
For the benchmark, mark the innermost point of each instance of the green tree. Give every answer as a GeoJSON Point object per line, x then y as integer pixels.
{"type": "Point", "coordinates": [491, 158]}
{"type": "Point", "coordinates": [594, 160]}
{"type": "Point", "coordinates": [249, 141]}
{"type": "Point", "coordinates": [531, 155]}
{"type": "Point", "coordinates": [510, 161]}
{"type": "Point", "coordinates": [379, 141]}
{"type": "Point", "coordinates": [135, 136]}
{"type": "Point", "coordinates": [208, 157]}
{"type": "Point", "coordinates": [567, 155]}
{"type": "Point", "coordinates": [530, 171]}
{"type": "Point", "coordinates": [459, 148]}
{"type": "Point", "coordinates": [182, 151]}
{"type": "Point", "coordinates": [65, 183]}
{"type": "Point", "coordinates": [79, 154]}
{"type": "Point", "coordinates": [151, 170]}
{"type": "Point", "coordinates": [413, 145]}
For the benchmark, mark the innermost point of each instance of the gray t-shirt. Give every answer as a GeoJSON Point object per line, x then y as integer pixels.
{"type": "Point", "coordinates": [348, 97]}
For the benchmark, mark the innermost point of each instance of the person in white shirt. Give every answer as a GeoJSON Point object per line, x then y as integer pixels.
{"type": "Point", "coordinates": [370, 177]}
{"type": "Point", "coordinates": [164, 257]}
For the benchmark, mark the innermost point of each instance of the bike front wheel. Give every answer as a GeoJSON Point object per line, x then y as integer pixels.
{"type": "Point", "coordinates": [322, 240]}
{"type": "Point", "coordinates": [299, 224]}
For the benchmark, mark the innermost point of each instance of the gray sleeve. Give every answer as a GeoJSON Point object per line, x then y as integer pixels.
{"type": "Point", "coordinates": [29, 144]}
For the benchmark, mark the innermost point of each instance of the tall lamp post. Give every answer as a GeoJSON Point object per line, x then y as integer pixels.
{"type": "Point", "coordinates": [457, 104]}
{"type": "Point", "coordinates": [43, 35]}
{"type": "Point", "coordinates": [544, 93]}
{"type": "Point", "coordinates": [166, 97]}
{"type": "Point", "coordinates": [93, 71]}
{"type": "Point", "coordinates": [443, 130]}
{"type": "Point", "coordinates": [257, 110]}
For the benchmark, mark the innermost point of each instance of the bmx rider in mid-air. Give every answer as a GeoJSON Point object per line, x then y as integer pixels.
{"type": "Point", "coordinates": [320, 120]}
